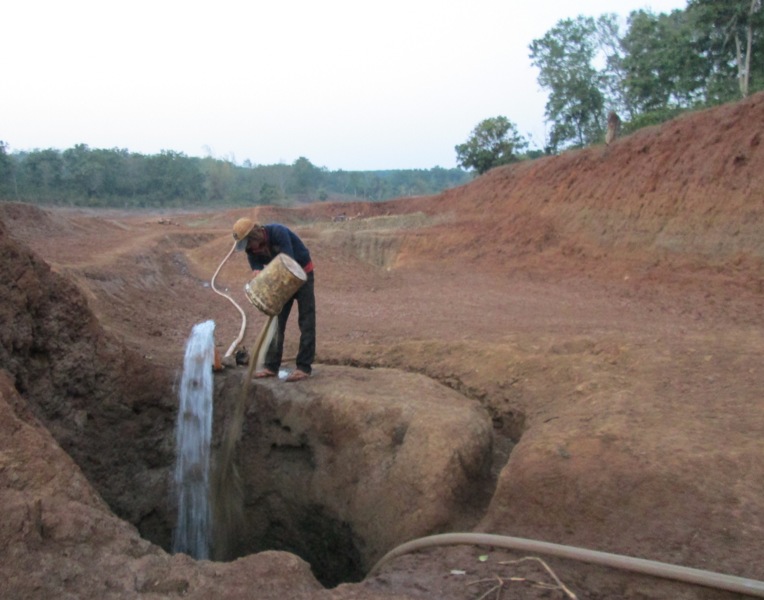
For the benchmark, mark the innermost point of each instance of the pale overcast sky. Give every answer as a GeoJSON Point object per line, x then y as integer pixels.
{"type": "Point", "coordinates": [347, 84]}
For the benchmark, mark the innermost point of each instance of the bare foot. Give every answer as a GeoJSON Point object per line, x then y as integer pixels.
{"type": "Point", "coordinates": [297, 375]}
{"type": "Point", "coordinates": [264, 373]}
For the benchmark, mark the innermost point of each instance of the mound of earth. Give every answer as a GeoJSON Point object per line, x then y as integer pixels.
{"type": "Point", "coordinates": [603, 308]}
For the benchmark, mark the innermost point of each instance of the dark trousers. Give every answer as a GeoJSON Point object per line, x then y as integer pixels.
{"type": "Point", "coordinates": [306, 319]}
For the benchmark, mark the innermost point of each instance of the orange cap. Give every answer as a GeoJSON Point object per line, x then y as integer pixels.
{"type": "Point", "coordinates": [241, 230]}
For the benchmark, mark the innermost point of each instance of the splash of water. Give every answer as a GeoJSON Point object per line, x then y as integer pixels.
{"type": "Point", "coordinates": [192, 437]}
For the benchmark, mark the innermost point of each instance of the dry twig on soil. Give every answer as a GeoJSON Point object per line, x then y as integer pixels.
{"type": "Point", "coordinates": [560, 585]}
{"type": "Point", "coordinates": [498, 587]}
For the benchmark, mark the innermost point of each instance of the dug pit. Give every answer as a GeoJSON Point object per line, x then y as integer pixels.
{"type": "Point", "coordinates": [338, 469]}
{"type": "Point", "coordinates": [344, 467]}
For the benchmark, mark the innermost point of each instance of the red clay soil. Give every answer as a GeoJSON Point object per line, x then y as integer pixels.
{"type": "Point", "coordinates": [605, 305]}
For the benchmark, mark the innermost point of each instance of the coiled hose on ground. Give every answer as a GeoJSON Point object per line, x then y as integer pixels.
{"type": "Point", "coordinates": [720, 581]}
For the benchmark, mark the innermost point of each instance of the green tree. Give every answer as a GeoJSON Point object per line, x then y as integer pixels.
{"type": "Point", "coordinates": [609, 43]}
{"type": "Point", "coordinates": [42, 174]}
{"type": "Point", "coordinates": [95, 174]}
{"type": "Point", "coordinates": [175, 178]}
{"type": "Point", "coordinates": [734, 30]}
{"type": "Point", "coordinates": [218, 178]}
{"type": "Point", "coordinates": [565, 57]}
{"type": "Point", "coordinates": [662, 67]}
{"type": "Point", "coordinates": [269, 194]}
{"type": "Point", "coordinates": [493, 142]}
{"type": "Point", "coordinates": [305, 177]}
{"type": "Point", "coordinates": [6, 171]}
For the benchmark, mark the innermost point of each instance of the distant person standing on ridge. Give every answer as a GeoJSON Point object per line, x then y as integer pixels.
{"type": "Point", "coordinates": [262, 244]}
{"type": "Point", "coordinates": [613, 127]}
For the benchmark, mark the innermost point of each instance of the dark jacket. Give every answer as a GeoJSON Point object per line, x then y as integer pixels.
{"type": "Point", "coordinates": [279, 239]}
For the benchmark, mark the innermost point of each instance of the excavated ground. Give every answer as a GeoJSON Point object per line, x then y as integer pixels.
{"type": "Point", "coordinates": [604, 306]}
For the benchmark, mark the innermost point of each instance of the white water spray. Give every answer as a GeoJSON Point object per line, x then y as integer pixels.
{"type": "Point", "coordinates": [192, 437]}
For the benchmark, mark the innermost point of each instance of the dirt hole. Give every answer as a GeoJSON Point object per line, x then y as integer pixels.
{"type": "Point", "coordinates": [280, 511]}
{"type": "Point", "coordinates": [330, 546]}
{"type": "Point", "coordinates": [274, 508]}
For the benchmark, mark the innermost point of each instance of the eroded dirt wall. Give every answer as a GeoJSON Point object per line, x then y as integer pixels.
{"type": "Point", "coordinates": [106, 406]}
{"type": "Point", "coordinates": [686, 194]}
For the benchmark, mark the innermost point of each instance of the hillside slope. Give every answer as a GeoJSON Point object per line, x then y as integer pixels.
{"type": "Point", "coordinates": [691, 190]}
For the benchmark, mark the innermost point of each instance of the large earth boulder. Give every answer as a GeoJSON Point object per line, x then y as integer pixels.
{"type": "Point", "coordinates": [344, 466]}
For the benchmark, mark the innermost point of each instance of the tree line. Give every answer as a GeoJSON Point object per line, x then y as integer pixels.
{"type": "Point", "coordinates": [92, 177]}
{"type": "Point", "coordinates": [660, 66]}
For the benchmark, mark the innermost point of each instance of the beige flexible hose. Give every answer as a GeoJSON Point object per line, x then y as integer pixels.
{"type": "Point", "coordinates": [720, 581]}
{"type": "Point", "coordinates": [237, 341]}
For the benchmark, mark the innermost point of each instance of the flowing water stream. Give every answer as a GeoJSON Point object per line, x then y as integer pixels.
{"type": "Point", "coordinates": [193, 432]}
